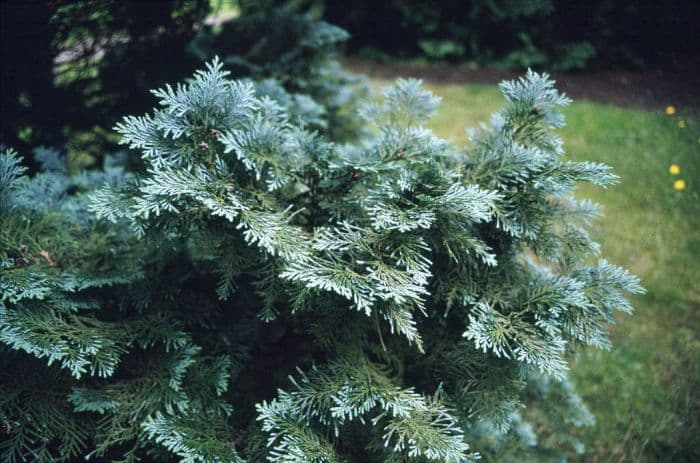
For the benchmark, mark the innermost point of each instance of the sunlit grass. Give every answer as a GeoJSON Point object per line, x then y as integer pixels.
{"type": "Point", "coordinates": [643, 392]}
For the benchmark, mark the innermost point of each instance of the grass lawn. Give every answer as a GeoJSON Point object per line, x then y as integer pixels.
{"type": "Point", "coordinates": [645, 393]}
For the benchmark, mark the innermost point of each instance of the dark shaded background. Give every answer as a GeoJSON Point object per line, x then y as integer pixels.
{"type": "Point", "coordinates": [71, 69]}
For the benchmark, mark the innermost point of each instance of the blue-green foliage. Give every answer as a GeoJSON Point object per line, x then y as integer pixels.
{"type": "Point", "coordinates": [294, 55]}
{"type": "Point", "coordinates": [403, 296]}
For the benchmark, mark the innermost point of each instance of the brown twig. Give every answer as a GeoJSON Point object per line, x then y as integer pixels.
{"type": "Point", "coordinates": [379, 331]}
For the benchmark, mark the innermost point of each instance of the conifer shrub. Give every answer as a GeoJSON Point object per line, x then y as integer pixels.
{"type": "Point", "coordinates": [261, 292]}
{"type": "Point", "coordinates": [291, 51]}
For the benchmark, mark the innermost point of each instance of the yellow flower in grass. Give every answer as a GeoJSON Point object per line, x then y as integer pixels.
{"type": "Point", "coordinates": [670, 110]}
{"type": "Point", "coordinates": [679, 184]}
{"type": "Point", "coordinates": [681, 124]}
{"type": "Point", "coordinates": [674, 169]}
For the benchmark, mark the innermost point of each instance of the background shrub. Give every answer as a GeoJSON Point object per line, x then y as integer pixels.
{"type": "Point", "coordinates": [558, 35]}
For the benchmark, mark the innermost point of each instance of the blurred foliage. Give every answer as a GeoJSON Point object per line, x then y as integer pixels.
{"type": "Point", "coordinates": [92, 60]}
{"type": "Point", "coordinates": [26, 76]}
{"type": "Point", "coordinates": [89, 61]}
{"type": "Point", "coordinates": [556, 34]}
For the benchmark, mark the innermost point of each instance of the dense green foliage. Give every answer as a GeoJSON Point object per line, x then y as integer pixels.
{"type": "Point", "coordinates": [554, 34]}
{"type": "Point", "coordinates": [259, 292]}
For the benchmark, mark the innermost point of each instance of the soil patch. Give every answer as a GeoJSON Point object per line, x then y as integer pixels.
{"type": "Point", "coordinates": [653, 90]}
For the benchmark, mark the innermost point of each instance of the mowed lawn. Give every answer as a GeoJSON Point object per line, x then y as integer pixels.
{"type": "Point", "coordinates": [645, 393]}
